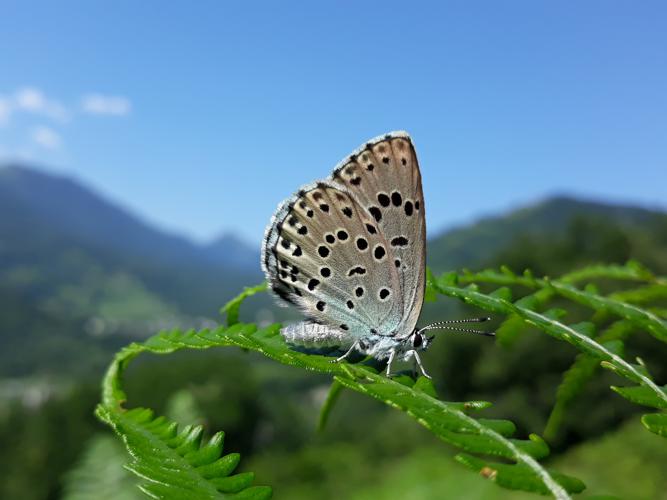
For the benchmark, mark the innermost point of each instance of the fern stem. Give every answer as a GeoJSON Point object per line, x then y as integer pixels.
{"type": "Point", "coordinates": [429, 411]}
{"type": "Point", "coordinates": [563, 286]}
{"type": "Point", "coordinates": [556, 489]}
{"type": "Point", "coordinates": [519, 456]}
{"type": "Point", "coordinates": [553, 328]}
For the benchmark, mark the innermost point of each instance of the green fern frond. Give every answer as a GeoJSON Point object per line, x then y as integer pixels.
{"type": "Point", "coordinates": [641, 295]}
{"type": "Point", "coordinates": [640, 317]}
{"type": "Point", "coordinates": [580, 335]}
{"type": "Point", "coordinates": [564, 286]}
{"type": "Point", "coordinates": [176, 464]}
{"type": "Point", "coordinates": [99, 474]}
{"type": "Point", "coordinates": [449, 421]}
{"type": "Point", "coordinates": [231, 308]}
{"type": "Point", "coordinates": [581, 371]}
{"type": "Point", "coordinates": [332, 396]}
{"type": "Point", "coordinates": [630, 271]}
{"type": "Point", "coordinates": [514, 476]}
{"type": "Point", "coordinates": [656, 423]}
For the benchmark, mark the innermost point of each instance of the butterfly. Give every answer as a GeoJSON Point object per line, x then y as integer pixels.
{"type": "Point", "coordinates": [350, 251]}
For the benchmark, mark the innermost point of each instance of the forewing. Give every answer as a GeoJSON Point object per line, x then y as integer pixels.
{"type": "Point", "coordinates": [384, 178]}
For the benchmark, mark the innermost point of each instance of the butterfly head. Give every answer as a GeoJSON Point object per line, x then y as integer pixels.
{"type": "Point", "coordinates": [417, 341]}
{"type": "Point", "coordinates": [406, 346]}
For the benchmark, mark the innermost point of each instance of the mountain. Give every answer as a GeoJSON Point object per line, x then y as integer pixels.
{"type": "Point", "coordinates": [67, 207]}
{"type": "Point", "coordinates": [477, 244]}
{"type": "Point", "coordinates": [229, 250]}
{"type": "Point", "coordinates": [70, 248]}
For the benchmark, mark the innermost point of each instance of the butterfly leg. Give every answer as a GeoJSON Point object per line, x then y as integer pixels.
{"type": "Point", "coordinates": [389, 362]}
{"type": "Point", "coordinates": [418, 360]}
{"type": "Point", "coordinates": [341, 358]}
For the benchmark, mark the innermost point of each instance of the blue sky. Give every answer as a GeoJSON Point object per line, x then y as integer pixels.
{"type": "Point", "coordinates": [202, 116]}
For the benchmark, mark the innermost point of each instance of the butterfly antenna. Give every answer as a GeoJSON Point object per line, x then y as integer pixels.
{"type": "Point", "coordinates": [449, 325]}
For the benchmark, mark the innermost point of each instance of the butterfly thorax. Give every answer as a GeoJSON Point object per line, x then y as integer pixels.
{"type": "Point", "coordinates": [382, 346]}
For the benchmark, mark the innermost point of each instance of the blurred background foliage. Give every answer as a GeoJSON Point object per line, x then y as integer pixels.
{"type": "Point", "coordinates": [72, 294]}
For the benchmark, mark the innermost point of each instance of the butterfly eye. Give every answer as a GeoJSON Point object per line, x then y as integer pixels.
{"type": "Point", "coordinates": [417, 340]}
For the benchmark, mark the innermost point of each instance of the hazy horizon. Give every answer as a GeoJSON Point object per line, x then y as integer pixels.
{"type": "Point", "coordinates": [433, 232]}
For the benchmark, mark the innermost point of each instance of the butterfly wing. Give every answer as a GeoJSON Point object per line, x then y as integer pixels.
{"type": "Point", "coordinates": [384, 177]}
{"type": "Point", "coordinates": [349, 251]}
{"type": "Point", "coordinates": [321, 253]}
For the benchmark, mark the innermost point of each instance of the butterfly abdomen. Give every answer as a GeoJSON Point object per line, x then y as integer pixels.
{"type": "Point", "coordinates": [315, 335]}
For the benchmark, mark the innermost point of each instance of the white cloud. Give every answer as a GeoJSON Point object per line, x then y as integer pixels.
{"type": "Point", "coordinates": [30, 99]}
{"type": "Point", "coordinates": [46, 137]}
{"type": "Point", "coordinates": [33, 100]}
{"type": "Point", "coordinates": [39, 119]}
{"type": "Point", "coordinates": [98, 104]}
{"type": "Point", "coordinates": [5, 110]}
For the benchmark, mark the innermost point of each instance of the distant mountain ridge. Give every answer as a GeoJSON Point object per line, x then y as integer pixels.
{"type": "Point", "coordinates": [232, 251]}
{"type": "Point", "coordinates": [68, 207]}
{"type": "Point", "coordinates": [472, 245]}
{"type": "Point", "coordinates": [61, 242]}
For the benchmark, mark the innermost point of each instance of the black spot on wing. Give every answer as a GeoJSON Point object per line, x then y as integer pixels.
{"type": "Point", "coordinates": [383, 199]}
{"type": "Point", "coordinates": [357, 270]}
{"type": "Point", "coordinates": [375, 212]}
{"type": "Point", "coordinates": [399, 241]}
